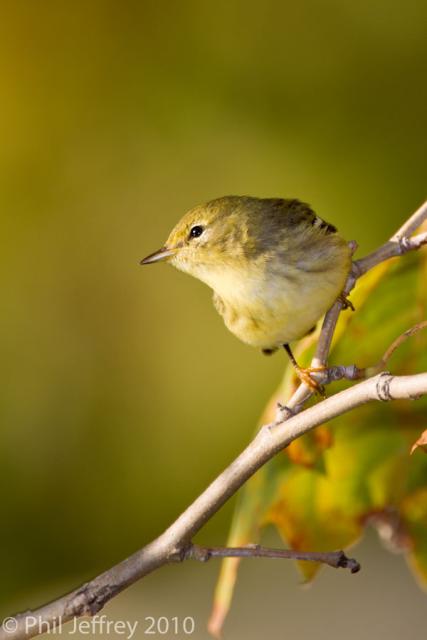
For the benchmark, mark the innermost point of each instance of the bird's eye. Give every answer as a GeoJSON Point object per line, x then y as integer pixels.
{"type": "Point", "coordinates": [196, 231]}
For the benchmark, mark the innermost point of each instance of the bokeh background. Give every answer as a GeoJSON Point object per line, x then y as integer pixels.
{"type": "Point", "coordinates": [121, 393]}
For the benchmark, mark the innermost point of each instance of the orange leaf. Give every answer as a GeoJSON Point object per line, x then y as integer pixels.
{"type": "Point", "coordinates": [307, 450]}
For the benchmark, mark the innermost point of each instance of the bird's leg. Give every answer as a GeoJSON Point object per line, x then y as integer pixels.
{"type": "Point", "coordinates": [305, 374]}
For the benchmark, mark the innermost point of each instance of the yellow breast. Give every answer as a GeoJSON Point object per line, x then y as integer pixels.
{"type": "Point", "coordinates": [267, 303]}
{"type": "Point", "coordinates": [266, 310]}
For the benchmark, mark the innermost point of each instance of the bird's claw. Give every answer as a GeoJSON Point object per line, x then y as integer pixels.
{"type": "Point", "coordinates": [305, 375]}
{"type": "Point", "coordinates": [345, 302]}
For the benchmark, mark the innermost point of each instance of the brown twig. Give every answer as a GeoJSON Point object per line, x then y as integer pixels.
{"type": "Point", "coordinates": [335, 559]}
{"type": "Point", "coordinates": [169, 547]}
{"type": "Point", "coordinates": [394, 345]}
{"type": "Point", "coordinates": [331, 318]}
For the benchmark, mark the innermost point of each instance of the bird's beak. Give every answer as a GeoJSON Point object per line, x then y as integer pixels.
{"type": "Point", "coordinates": [161, 254]}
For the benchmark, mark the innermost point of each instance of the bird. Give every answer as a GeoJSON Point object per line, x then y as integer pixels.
{"type": "Point", "coordinates": [275, 267]}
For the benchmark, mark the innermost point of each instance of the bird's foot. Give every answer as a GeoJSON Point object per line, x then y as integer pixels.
{"type": "Point", "coordinates": [345, 302]}
{"type": "Point", "coordinates": [305, 375]}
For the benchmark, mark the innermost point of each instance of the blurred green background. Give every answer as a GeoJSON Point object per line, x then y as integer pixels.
{"type": "Point", "coordinates": [122, 395]}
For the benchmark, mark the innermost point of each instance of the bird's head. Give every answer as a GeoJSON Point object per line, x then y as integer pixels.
{"type": "Point", "coordinates": [209, 238]}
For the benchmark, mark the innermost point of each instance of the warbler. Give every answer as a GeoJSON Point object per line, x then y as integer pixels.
{"type": "Point", "coordinates": [275, 266]}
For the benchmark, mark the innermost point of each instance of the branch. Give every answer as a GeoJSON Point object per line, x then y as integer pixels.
{"type": "Point", "coordinates": [391, 249]}
{"type": "Point", "coordinates": [399, 244]}
{"type": "Point", "coordinates": [370, 371]}
{"type": "Point", "coordinates": [92, 596]}
{"type": "Point", "coordinates": [412, 223]}
{"type": "Point", "coordinates": [335, 559]}
{"type": "Point", "coordinates": [175, 544]}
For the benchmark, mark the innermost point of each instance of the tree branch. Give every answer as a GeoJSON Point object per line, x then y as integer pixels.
{"type": "Point", "coordinates": [335, 559]}
{"type": "Point", "coordinates": [399, 244]}
{"type": "Point", "coordinates": [412, 223]}
{"type": "Point", "coordinates": [91, 597]}
{"type": "Point", "coordinates": [175, 542]}
{"type": "Point", "coordinates": [391, 249]}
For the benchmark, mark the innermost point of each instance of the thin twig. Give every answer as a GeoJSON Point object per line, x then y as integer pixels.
{"type": "Point", "coordinates": [370, 371]}
{"type": "Point", "coordinates": [413, 223]}
{"type": "Point", "coordinates": [391, 249]}
{"type": "Point", "coordinates": [335, 559]}
{"type": "Point", "coordinates": [352, 372]}
{"type": "Point", "coordinates": [331, 318]}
